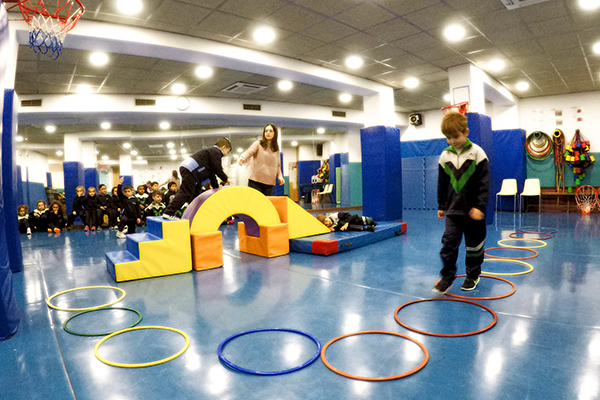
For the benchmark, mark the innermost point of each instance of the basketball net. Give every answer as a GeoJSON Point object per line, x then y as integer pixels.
{"type": "Point", "coordinates": [586, 198]}
{"type": "Point", "coordinates": [461, 108]}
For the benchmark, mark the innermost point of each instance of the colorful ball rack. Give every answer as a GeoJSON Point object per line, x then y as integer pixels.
{"type": "Point", "coordinates": [578, 157]}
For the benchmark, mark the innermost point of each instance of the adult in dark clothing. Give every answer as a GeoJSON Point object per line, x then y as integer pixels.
{"type": "Point", "coordinates": [79, 207]}
{"type": "Point", "coordinates": [202, 165]}
{"type": "Point", "coordinates": [130, 212]}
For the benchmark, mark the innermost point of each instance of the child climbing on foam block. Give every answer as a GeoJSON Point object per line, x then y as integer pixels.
{"type": "Point", "coordinates": [343, 221]}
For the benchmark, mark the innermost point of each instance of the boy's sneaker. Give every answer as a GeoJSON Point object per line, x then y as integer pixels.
{"type": "Point", "coordinates": [121, 235]}
{"type": "Point", "coordinates": [87, 228]}
{"type": "Point", "coordinates": [170, 217]}
{"type": "Point", "coordinates": [371, 228]}
{"type": "Point", "coordinates": [443, 285]}
{"type": "Point", "coordinates": [29, 231]}
{"type": "Point", "coordinates": [469, 284]}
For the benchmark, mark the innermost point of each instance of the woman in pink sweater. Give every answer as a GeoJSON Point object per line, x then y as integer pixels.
{"type": "Point", "coordinates": [265, 165]}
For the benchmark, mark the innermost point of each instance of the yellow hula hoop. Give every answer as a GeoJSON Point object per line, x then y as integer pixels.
{"type": "Point", "coordinates": [49, 301]}
{"type": "Point", "coordinates": [142, 365]}
{"type": "Point", "coordinates": [508, 273]}
{"type": "Point", "coordinates": [543, 244]}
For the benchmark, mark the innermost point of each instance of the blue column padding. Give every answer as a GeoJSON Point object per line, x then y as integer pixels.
{"type": "Point", "coordinates": [74, 176]}
{"type": "Point", "coordinates": [91, 178]}
{"type": "Point", "coordinates": [412, 183]}
{"type": "Point", "coordinates": [37, 192]}
{"type": "Point", "coordinates": [480, 132]}
{"type": "Point", "coordinates": [334, 162]}
{"type": "Point", "coordinates": [20, 194]}
{"type": "Point", "coordinates": [9, 181]}
{"type": "Point", "coordinates": [423, 148]}
{"type": "Point", "coordinates": [345, 168]}
{"type": "Point", "coordinates": [509, 150]}
{"type": "Point", "coordinates": [278, 190]}
{"type": "Point", "coordinates": [26, 197]}
{"type": "Point", "coordinates": [381, 172]}
{"type": "Point", "coordinates": [49, 180]}
{"type": "Point", "coordinates": [431, 179]}
{"type": "Point", "coordinates": [306, 169]}
{"type": "Point", "coordinates": [127, 180]}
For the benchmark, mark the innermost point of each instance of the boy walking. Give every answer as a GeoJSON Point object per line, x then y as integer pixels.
{"type": "Point", "coordinates": [463, 190]}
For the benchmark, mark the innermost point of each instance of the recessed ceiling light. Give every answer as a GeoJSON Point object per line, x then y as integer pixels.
{"type": "Point", "coordinates": [184, 151]}
{"type": "Point", "coordinates": [596, 47]}
{"type": "Point", "coordinates": [496, 65]}
{"type": "Point", "coordinates": [139, 157]}
{"type": "Point", "coordinates": [354, 62]}
{"type": "Point", "coordinates": [345, 98]}
{"type": "Point", "coordinates": [19, 138]}
{"type": "Point", "coordinates": [105, 125]}
{"type": "Point", "coordinates": [448, 97]}
{"type": "Point", "coordinates": [105, 158]}
{"type": "Point", "coordinates": [97, 152]}
{"type": "Point", "coordinates": [134, 152]}
{"type": "Point", "coordinates": [50, 128]}
{"type": "Point", "coordinates": [522, 86]}
{"type": "Point", "coordinates": [129, 7]}
{"type": "Point", "coordinates": [164, 125]}
{"type": "Point", "coordinates": [59, 153]}
{"type": "Point", "coordinates": [454, 33]}
{"type": "Point", "coordinates": [84, 89]}
{"type": "Point", "coordinates": [294, 143]}
{"type": "Point", "coordinates": [264, 35]}
{"type": "Point", "coordinates": [239, 150]}
{"type": "Point", "coordinates": [411, 83]}
{"type": "Point", "coordinates": [589, 4]}
{"type": "Point", "coordinates": [172, 151]}
{"type": "Point", "coordinates": [320, 131]}
{"type": "Point", "coordinates": [126, 145]}
{"type": "Point", "coordinates": [170, 145]}
{"type": "Point", "coordinates": [98, 58]}
{"type": "Point", "coordinates": [174, 157]}
{"type": "Point", "coordinates": [178, 88]}
{"type": "Point", "coordinates": [204, 72]}
{"type": "Point", "coordinates": [284, 85]}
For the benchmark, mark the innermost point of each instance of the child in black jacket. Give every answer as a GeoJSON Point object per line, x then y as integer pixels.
{"type": "Point", "coordinates": [343, 221]}
{"type": "Point", "coordinates": [91, 212]}
{"type": "Point", "coordinates": [23, 216]}
{"type": "Point", "coordinates": [79, 208]}
{"type": "Point", "coordinates": [103, 209]}
{"type": "Point", "coordinates": [156, 208]}
{"type": "Point", "coordinates": [38, 217]}
{"type": "Point", "coordinates": [56, 217]}
{"type": "Point", "coordinates": [130, 211]}
{"type": "Point", "coordinates": [114, 207]}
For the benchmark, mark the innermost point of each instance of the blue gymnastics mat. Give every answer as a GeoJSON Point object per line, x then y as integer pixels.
{"type": "Point", "coordinates": [337, 242]}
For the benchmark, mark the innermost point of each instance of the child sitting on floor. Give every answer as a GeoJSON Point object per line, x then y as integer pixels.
{"type": "Point", "coordinates": [56, 218]}
{"type": "Point", "coordinates": [343, 221]}
{"type": "Point", "coordinates": [156, 208]}
{"type": "Point", "coordinates": [23, 217]}
{"type": "Point", "coordinates": [38, 217]}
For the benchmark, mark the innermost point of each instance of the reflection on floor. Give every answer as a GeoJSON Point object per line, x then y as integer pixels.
{"type": "Point", "coordinates": [546, 344]}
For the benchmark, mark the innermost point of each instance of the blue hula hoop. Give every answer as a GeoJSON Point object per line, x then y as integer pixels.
{"type": "Point", "coordinates": [249, 371]}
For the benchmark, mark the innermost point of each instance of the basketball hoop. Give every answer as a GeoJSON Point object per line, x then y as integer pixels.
{"type": "Point", "coordinates": [586, 198]}
{"type": "Point", "coordinates": [47, 29]}
{"type": "Point", "coordinates": [458, 107]}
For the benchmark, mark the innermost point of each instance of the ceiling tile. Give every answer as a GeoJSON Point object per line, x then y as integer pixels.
{"type": "Point", "coordinates": [402, 7]}
{"type": "Point", "coordinates": [173, 13]}
{"type": "Point", "coordinates": [511, 35]}
{"type": "Point", "coordinates": [393, 30]}
{"type": "Point", "coordinates": [473, 8]}
{"type": "Point", "coordinates": [495, 21]}
{"type": "Point", "coordinates": [327, 53]}
{"type": "Point", "coordinates": [327, 7]}
{"type": "Point", "coordinates": [294, 18]}
{"type": "Point", "coordinates": [521, 48]}
{"type": "Point", "coordinates": [359, 42]}
{"type": "Point", "coordinates": [451, 61]}
{"type": "Point", "coordinates": [256, 10]}
{"type": "Point", "coordinates": [541, 12]}
{"type": "Point", "coordinates": [431, 17]}
{"type": "Point", "coordinates": [589, 36]}
{"type": "Point", "coordinates": [364, 15]}
{"type": "Point", "coordinates": [383, 53]}
{"type": "Point", "coordinates": [573, 62]}
{"type": "Point", "coordinates": [417, 42]}
{"type": "Point", "coordinates": [223, 24]}
{"type": "Point", "coordinates": [434, 53]}
{"type": "Point", "coordinates": [558, 26]}
{"type": "Point", "coordinates": [296, 44]}
{"type": "Point", "coordinates": [329, 31]}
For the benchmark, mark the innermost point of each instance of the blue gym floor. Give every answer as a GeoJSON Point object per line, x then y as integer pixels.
{"type": "Point", "coordinates": [545, 345]}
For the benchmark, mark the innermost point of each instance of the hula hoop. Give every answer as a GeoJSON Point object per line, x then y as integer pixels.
{"type": "Point", "coordinates": [514, 289]}
{"type": "Point", "coordinates": [535, 253]}
{"type": "Point", "coordinates": [541, 228]}
{"type": "Point", "coordinates": [268, 373]}
{"type": "Point", "coordinates": [446, 334]}
{"type": "Point", "coordinates": [100, 334]}
{"type": "Point", "coordinates": [374, 379]}
{"type": "Point", "coordinates": [508, 273]}
{"type": "Point", "coordinates": [548, 236]}
{"type": "Point", "coordinates": [543, 244]}
{"type": "Point", "coordinates": [142, 365]}
{"type": "Point", "coordinates": [48, 302]}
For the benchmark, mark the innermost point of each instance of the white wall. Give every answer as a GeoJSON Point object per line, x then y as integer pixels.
{"type": "Point", "coordinates": [36, 164]}
{"type": "Point", "coordinates": [58, 176]}
{"type": "Point", "coordinates": [154, 171]}
{"type": "Point", "coordinates": [290, 154]}
{"type": "Point", "coordinates": [430, 129]}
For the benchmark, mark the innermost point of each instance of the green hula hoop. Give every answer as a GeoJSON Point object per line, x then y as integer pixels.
{"type": "Point", "coordinates": [100, 309]}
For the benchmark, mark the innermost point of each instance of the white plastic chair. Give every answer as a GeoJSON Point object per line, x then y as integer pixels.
{"type": "Point", "coordinates": [509, 188]}
{"type": "Point", "coordinates": [326, 191]}
{"type": "Point", "coordinates": [531, 188]}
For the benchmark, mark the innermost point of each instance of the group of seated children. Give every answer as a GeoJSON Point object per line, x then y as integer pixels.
{"type": "Point", "coordinates": [124, 210]}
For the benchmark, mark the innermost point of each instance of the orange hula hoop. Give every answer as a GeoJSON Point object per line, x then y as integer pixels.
{"type": "Point", "coordinates": [375, 379]}
{"type": "Point", "coordinates": [485, 298]}
{"type": "Point", "coordinates": [512, 248]}
{"type": "Point", "coordinates": [446, 334]}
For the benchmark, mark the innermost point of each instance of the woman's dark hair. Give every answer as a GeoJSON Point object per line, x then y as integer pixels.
{"type": "Point", "coordinates": [263, 141]}
{"type": "Point", "coordinates": [175, 174]}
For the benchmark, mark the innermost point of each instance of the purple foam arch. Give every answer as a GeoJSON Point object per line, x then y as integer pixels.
{"type": "Point", "coordinates": [251, 225]}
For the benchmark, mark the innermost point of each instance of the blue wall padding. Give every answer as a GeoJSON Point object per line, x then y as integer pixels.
{"type": "Point", "coordinates": [9, 181]}
{"type": "Point", "coordinates": [431, 181]}
{"type": "Point", "coordinates": [306, 169]}
{"type": "Point", "coordinates": [509, 163]}
{"type": "Point", "coordinates": [423, 148]}
{"type": "Point", "coordinates": [345, 176]}
{"type": "Point", "coordinates": [355, 184]}
{"type": "Point", "coordinates": [36, 192]}
{"type": "Point", "coordinates": [480, 132]}
{"type": "Point", "coordinates": [128, 180]}
{"type": "Point", "coordinates": [49, 180]}
{"type": "Point", "coordinates": [412, 183]}
{"type": "Point", "coordinates": [9, 310]}
{"type": "Point", "coordinates": [20, 194]}
{"type": "Point", "coordinates": [381, 172]}
{"type": "Point", "coordinates": [91, 178]}
{"type": "Point", "coordinates": [334, 162]}
{"type": "Point", "coordinates": [278, 190]}
{"type": "Point", "coordinates": [74, 176]}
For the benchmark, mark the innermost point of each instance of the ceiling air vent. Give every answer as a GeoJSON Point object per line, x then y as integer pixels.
{"type": "Point", "coordinates": [339, 114]}
{"type": "Point", "coordinates": [252, 107]}
{"type": "Point", "coordinates": [31, 103]}
{"type": "Point", "coordinates": [145, 102]}
{"type": "Point", "coordinates": [243, 88]}
{"type": "Point", "coordinates": [512, 4]}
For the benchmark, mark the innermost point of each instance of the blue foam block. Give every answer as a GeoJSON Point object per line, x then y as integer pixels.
{"type": "Point", "coordinates": [337, 242]}
{"type": "Point", "coordinates": [133, 242]}
{"type": "Point", "coordinates": [116, 257]}
{"type": "Point", "coordinates": [155, 226]}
